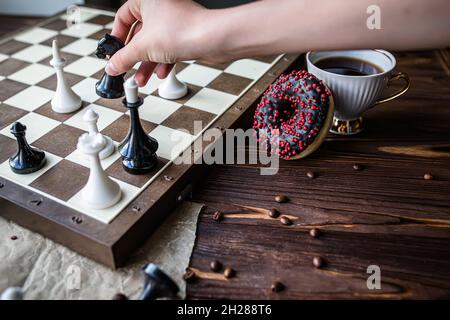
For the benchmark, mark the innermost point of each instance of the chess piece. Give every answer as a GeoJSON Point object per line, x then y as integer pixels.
{"type": "Point", "coordinates": [110, 87]}
{"type": "Point", "coordinates": [138, 150]}
{"type": "Point", "coordinates": [172, 88]}
{"type": "Point", "coordinates": [100, 191]}
{"type": "Point", "coordinates": [12, 293]}
{"type": "Point", "coordinates": [64, 100]}
{"type": "Point", "coordinates": [157, 284]}
{"type": "Point", "coordinates": [91, 117]}
{"type": "Point", "coordinates": [27, 159]}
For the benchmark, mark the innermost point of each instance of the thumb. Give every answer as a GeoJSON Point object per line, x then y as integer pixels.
{"type": "Point", "coordinates": [124, 59]}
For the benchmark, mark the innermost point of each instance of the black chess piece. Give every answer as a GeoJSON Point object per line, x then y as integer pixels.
{"type": "Point", "coordinates": [157, 284]}
{"type": "Point", "coordinates": [27, 159]}
{"type": "Point", "coordinates": [138, 150]}
{"type": "Point", "coordinates": [110, 87]}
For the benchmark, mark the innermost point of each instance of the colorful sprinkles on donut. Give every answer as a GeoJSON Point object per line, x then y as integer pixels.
{"type": "Point", "coordinates": [294, 115]}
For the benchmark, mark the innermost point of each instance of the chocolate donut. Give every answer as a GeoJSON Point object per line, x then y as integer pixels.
{"type": "Point", "coordinates": [294, 115]}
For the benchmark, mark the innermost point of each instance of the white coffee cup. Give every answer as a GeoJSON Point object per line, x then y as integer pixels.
{"type": "Point", "coordinates": [355, 94]}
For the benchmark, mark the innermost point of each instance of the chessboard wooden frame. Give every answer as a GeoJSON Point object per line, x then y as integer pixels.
{"type": "Point", "coordinates": [111, 244]}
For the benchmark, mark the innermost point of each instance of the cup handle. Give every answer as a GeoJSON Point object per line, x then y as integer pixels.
{"type": "Point", "coordinates": [396, 76]}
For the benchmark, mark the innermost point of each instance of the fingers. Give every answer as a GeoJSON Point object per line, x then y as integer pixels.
{"type": "Point", "coordinates": [144, 72]}
{"type": "Point", "coordinates": [125, 17]}
{"type": "Point", "coordinates": [124, 59]}
{"type": "Point", "coordinates": [163, 70]}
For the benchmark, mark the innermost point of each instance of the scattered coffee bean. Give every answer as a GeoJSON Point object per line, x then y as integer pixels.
{"type": "Point", "coordinates": [428, 176]}
{"type": "Point", "coordinates": [14, 238]}
{"type": "Point", "coordinates": [218, 216]}
{"type": "Point", "coordinates": [310, 175]}
{"type": "Point", "coordinates": [189, 275]}
{"type": "Point", "coordinates": [281, 198]}
{"type": "Point", "coordinates": [318, 262]}
{"type": "Point", "coordinates": [277, 286]}
{"type": "Point", "coordinates": [229, 273]}
{"type": "Point", "coordinates": [274, 213]}
{"type": "Point", "coordinates": [215, 266]}
{"type": "Point", "coordinates": [286, 221]}
{"type": "Point", "coordinates": [314, 232]}
{"type": "Point", "coordinates": [357, 167]}
{"type": "Point", "coordinates": [119, 296]}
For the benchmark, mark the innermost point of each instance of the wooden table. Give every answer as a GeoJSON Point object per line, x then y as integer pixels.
{"type": "Point", "coordinates": [385, 215]}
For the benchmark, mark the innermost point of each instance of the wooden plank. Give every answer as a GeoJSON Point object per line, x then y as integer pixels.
{"type": "Point", "coordinates": [386, 214]}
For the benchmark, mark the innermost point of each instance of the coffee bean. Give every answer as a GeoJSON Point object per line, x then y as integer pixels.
{"type": "Point", "coordinates": [281, 198]}
{"type": "Point", "coordinates": [14, 238]}
{"type": "Point", "coordinates": [357, 167]}
{"type": "Point", "coordinates": [428, 176]}
{"type": "Point", "coordinates": [119, 296]}
{"type": "Point", "coordinates": [274, 213]}
{"type": "Point", "coordinates": [189, 275]}
{"type": "Point", "coordinates": [314, 232]}
{"type": "Point", "coordinates": [229, 273]}
{"type": "Point", "coordinates": [277, 286]}
{"type": "Point", "coordinates": [215, 266]}
{"type": "Point", "coordinates": [218, 216]}
{"type": "Point", "coordinates": [310, 175]}
{"type": "Point", "coordinates": [286, 221]}
{"type": "Point", "coordinates": [318, 262]}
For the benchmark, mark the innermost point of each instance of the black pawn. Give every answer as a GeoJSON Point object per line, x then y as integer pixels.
{"type": "Point", "coordinates": [27, 159]}
{"type": "Point", "coordinates": [109, 87]}
{"type": "Point", "coordinates": [138, 150]}
{"type": "Point", "coordinates": [157, 284]}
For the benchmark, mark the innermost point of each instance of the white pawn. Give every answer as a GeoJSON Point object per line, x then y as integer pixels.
{"type": "Point", "coordinates": [100, 192]}
{"type": "Point", "coordinates": [65, 100]}
{"type": "Point", "coordinates": [12, 293]}
{"type": "Point", "coordinates": [172, 88]}
{"type": "Point", "coordinates": [91, 117]}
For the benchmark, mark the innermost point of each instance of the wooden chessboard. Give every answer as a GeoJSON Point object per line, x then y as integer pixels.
{"type": "Point", "coordinates": [50, 199]}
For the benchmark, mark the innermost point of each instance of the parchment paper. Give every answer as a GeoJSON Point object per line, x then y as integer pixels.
{"type": "Point", "coordinates": [47, 270]}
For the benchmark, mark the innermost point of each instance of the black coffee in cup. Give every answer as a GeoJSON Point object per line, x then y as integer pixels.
{"type": "Point", "coordinates": [348, 66]}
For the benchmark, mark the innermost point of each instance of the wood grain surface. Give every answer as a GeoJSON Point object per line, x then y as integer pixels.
{"type": "Point", "coordinates": [385, 215]}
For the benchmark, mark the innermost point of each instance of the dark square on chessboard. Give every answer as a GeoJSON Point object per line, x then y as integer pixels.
{"type": "Point", "coordinates": [9, 88]}
{"type": "Point", "coordinates": [9, 115]}
{"type": "Point", "coordinates": [61, 140]}
{"type": "Point", "coordinates": [184, 119]}
{"type": "Point", "coordinates": [8, 149]}
{"type": "Point", "coordinates": [46, 110]}
{"type": "Point", "coordinates": [9, 66]}
{"type": "Point", "coordinates": [12, 46]}
{"type": "Point", "coordinates": [118, 130]}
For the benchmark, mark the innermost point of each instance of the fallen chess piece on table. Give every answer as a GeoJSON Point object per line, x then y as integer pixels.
{"type": "Point", "coordinates": [100, 192]}
{"type": "Point", "coordinates": [172, 88]}
{"type": "Point", "coordinates": [158, 284]}
{"type": "Point", "coordinates": [27, 159]}
{"type": "Point", "coordinates": [64, 100]}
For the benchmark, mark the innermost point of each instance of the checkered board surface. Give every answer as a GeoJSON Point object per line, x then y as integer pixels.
{"type": "Point", "coordinates": [28, 83]}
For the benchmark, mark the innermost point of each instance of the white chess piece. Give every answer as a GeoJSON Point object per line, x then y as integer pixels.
{"type": "Point", "coordinates": [172, 88]}
{"type": "Point", "coordinates": [91, 117]}
{"type": "Point", "coordinates": [100, 192]}
{"type": "Point", "coordinates": [12, 293]}
{"type": "Point", "coordinates": [65, 100]}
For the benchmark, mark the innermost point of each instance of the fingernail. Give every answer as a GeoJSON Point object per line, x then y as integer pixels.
{"type": "Point", "coordinates": [111, 69]}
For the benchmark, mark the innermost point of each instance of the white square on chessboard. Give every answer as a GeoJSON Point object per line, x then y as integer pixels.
{"type": "Point", "coordinates": [32, 74]}
{"type": "Point", "coordinates": [156, 109]}
{"type": "Point", "coordinates": [81, 47]}
{"type": "Point", "coordinates": [152, 85]}
{"type": "Point", "coordinates": [37, 126]}
{"type": "Point", "coordinates": [198, 75]}
{"type": "Point", "coordinates": [80, 14]}
{"type": "Point", "coordinates": [81, 30]}
{"type": "Point", "coordinates": [36, 35]}
{"type": "Point", "coordinates": [106, 117]}
{"type": "Point", "coordinates": [171, 142]}
{"type": "Point", "coordinates": [85, 66]}
{"type": "Point", "coordinates": [211, 100]}
{"type": "Point", "coordinates": [33, 53]}
{"type": "Point", "coordinates": [109, 25]}
{"type": "Point", "coordinates": [31, 98]}
{"type": "Point", "coordinates": [26, 179]}
{"type": "Point", "coordinates": [108, 214]}
{"type": "Point", "coordinates": [3, 57]}
{"type": "Point", "coordinates": [86, 89]}
{"type": "Point", "coordinates": [248, 68]}
{"type": "Point", "coordinates": [79, 158]}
